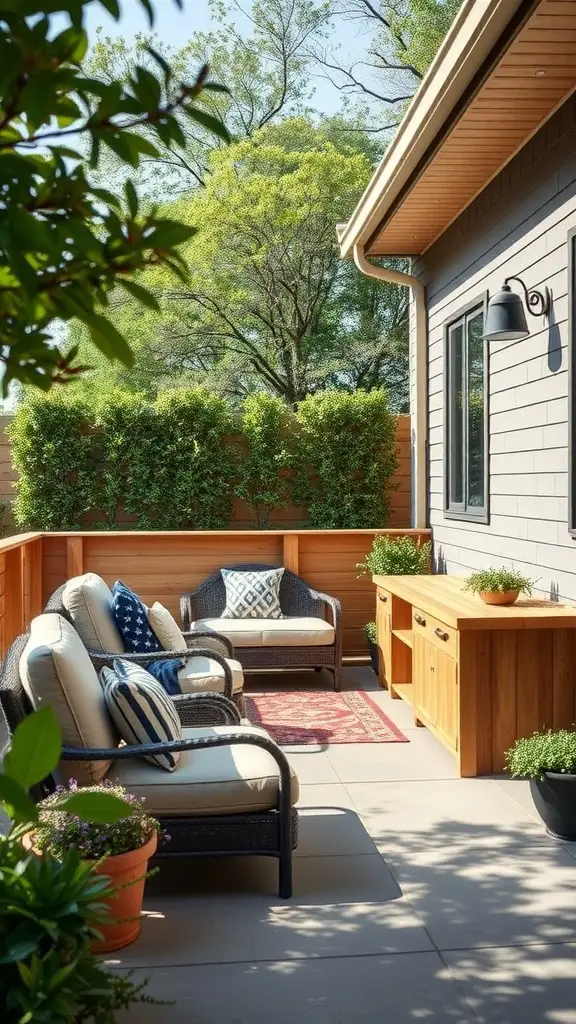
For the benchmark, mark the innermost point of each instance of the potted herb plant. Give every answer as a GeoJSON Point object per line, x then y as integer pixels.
{"type": "Point", "coordinates": [371, 639]}
{"type": "Point", "coordinates": [548, 759]}
{"type": "Point", "coordinates": [498, 586]}
{"type": "Point", "coordinates": [120, 850]}
{"type": "Point", "coordinates": [396, 556]}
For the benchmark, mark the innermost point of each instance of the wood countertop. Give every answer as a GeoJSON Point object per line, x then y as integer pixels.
{"type": "Point", "coordinates": [445, 598]}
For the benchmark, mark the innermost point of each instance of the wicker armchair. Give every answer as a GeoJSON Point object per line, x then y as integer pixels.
{"type": "Point", "coordinates": [297, 599]}
{"type": "Point", "coordinates": [204, 644]}
{"type": "Point", "coordinates": [194, 709]}
{"type": "Point", "coordinates": [271, 833]}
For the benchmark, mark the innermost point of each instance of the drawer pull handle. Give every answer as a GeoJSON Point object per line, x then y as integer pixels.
{"type": "Point", "coordinates": [419, 619]}
{"type": "Point", "coordinates": [442, 634]}
{"type": "Point", "coordinates": [382, 598]}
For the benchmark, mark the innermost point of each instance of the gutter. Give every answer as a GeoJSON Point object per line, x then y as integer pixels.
{"type": "Point", "coordinates": [419, 422]}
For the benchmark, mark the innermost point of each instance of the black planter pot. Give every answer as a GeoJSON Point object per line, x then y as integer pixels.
{"type": "Point", "coordinates": [555, 800]}
{"type": "Point", "coordinates": [373, 650]}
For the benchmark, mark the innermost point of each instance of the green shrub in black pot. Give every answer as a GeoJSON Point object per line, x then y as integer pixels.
{"type": "Point", "coordinates": [548, 760]}
{"type": "Point", "coordinates": [370, 634]}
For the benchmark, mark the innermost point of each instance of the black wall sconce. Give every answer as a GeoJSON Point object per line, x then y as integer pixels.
{"type": "Point", "coordinates": [506, 319]}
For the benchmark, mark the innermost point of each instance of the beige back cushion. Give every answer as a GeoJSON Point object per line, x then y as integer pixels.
{"type": "Point", "coordinates": [88, 601]}
{"type": "Point", "coordinates": [166, 628]}
{"type": "Point", "coordinates": [55, 669]}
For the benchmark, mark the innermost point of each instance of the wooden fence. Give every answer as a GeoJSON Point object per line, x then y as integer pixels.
{"type": "Point", "coordinates": [160, 566]}
{"type": "Point", "coordinates": [289, 517]}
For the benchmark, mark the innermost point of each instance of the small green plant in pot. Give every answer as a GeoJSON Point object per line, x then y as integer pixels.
{"type": "Point", "coordinates": [371, 639]}
{"type": "Point", "coordinates": [396, 556]}
{"type": "Point", "coordinates": [498, 586]}
{"type": "Point", "coordinates": [548, 760]}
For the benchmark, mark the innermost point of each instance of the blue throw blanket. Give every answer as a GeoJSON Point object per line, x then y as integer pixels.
{"type": "Point", "coordinates": [166, 672]}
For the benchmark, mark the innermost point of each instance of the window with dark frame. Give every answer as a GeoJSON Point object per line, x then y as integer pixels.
{"type": "Point", "coordinates": [466, 409]}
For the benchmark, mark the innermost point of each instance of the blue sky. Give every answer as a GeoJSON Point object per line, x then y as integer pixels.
{"type": "Point", "coordinates": [175, 27]}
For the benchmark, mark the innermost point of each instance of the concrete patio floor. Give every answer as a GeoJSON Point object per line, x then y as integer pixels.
{"type": "Point", "coordinates": [419, 898]}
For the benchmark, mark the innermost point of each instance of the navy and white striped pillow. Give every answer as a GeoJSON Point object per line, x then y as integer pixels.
{"type": "Point", "coordinates": [141, 709]}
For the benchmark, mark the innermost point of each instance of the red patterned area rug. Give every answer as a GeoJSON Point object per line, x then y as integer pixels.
{"type": "Point", "coordinates": [305, 716]}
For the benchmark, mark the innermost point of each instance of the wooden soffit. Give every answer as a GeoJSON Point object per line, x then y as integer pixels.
{"type": "Point", "coordinates": [524, 88]}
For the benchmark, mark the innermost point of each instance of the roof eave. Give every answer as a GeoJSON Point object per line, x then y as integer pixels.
{"type": "Point", "coordinates": [472, 37]}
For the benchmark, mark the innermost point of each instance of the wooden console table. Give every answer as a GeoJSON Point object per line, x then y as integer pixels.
{"type": "Point", "coordinates": [478, 676]}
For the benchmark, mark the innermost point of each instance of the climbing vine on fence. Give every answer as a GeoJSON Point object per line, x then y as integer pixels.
{"type": "Point", "coordinates": [52, 450]}
{"type": "Point", "coordinates": [178, 462]}
{"type": "Point", "coordinates": [345, 454]}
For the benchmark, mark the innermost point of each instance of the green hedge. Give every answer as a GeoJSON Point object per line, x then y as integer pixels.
{"type": "Point", "coordinates": [179, 462]}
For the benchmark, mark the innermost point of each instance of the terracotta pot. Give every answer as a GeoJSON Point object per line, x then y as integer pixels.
{"type": "Point", "coordinates": [496, 597]}
{"type": "Point", "coordinates": [123, 868]}
{"type": "Point", "coordinates": [127, 904]}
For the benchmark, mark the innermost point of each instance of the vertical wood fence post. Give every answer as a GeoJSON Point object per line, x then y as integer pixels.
{"type": "Point", "coordinates": [290, 551]}
{"type": "Point", "coordinates": [74, 555]}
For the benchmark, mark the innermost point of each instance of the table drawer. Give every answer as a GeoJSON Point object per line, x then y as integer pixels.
{"type": "Point", "coordinates": [442, 636]}
{"type": "Point", "coordinates": [384, 600]}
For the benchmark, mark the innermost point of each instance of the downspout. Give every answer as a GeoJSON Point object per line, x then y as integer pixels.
{"type": "Point", "coordinates": [420, 419]}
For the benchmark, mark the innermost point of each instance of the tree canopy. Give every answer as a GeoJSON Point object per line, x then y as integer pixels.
{"type": "Point", "coordinates": [268, 304]}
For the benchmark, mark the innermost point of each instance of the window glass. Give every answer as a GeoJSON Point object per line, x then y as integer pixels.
{"type": "Point", "coordinates": [475, 411]}
{"type": "Point", "coordinates": [466, 415]}
{"type": "Point", "coordinates": [456, 415]}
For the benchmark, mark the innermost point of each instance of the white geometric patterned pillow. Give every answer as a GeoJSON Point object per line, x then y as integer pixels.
{"type": "Point", "coordinates": [252, 594]}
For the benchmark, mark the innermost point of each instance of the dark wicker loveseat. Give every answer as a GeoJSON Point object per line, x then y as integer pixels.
{"type": "Point", "coordinates": [272, 833]}
{"type": "Point", "coordinates": [297, 600]}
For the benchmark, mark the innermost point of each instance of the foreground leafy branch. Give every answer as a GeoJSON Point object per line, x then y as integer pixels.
{"type": "Point", "coordinates": [65, 244]}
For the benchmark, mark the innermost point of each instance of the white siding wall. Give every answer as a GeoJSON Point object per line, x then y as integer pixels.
{"type": "Point", "coordinates": [518, 225]}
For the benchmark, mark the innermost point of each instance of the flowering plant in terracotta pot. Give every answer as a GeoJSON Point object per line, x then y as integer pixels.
{"type": "Point", "coordinates": [498, 586]}
{"type": "Point", "coordinates": [120, 850]}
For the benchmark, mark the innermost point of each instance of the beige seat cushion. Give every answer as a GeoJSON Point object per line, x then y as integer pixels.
{"type": "Point", "coordinates": [202, 673]}
{"type": "Point", "coordinates": [88, 601]}
{"type": "Point", "coordinates": [292, 631]}
{"type": "Point", "coordinates": [55, 669]}
{"type": "Point", "coordinates": [166, 628]}
{"type": "Point", "coordinates": [217, 780]}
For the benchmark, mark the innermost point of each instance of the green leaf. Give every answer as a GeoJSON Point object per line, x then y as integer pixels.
{"type": "Point", "coordinates": [112, 6]}
{"type": "Point", "coordinates": [161, 62]}
{"type": "Point", "coordinates": [168, 232]}
{"type": "Point", "coordinates": [131, 198]}
{"type": "Point", "coordinates": [215, 87]}
{"type": "Point", "coordinates": [108, 339]}
{"type": "Point", "coordinates": [146, 88]}
{"type": "Point", "coordinates": [18, 804]}
{"type": "Point", "coordinates": [106, 197]}
{"type": "Point", "coordinates": [208, 121]}
{"type": "Point", "coordinates": [101, 808]}
{"type": "Point", "coordinates": [146, 4]}
{"type": "Point", "coordinates": [35, 748]}
{"type": "Point", "coordinates": [141, 294]}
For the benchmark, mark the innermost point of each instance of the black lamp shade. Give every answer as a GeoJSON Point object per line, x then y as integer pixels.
{"type": "Point", "coordinates": [505, 318]}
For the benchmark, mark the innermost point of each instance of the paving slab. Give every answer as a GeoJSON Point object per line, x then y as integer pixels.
{"type": "Point", "coordinates": [402, 989]}
{"type": "Point", "coordinates": [526, 985]}
{"type": "Point", "coordinates": [176, 932]}
{"type": "Point", "coordinates": [422, 758]}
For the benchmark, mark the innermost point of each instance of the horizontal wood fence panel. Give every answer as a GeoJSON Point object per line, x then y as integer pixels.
{"type": "Point", "coordinates": [161, 566]}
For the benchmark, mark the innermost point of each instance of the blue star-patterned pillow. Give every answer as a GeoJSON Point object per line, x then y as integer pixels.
{"type": "Point", "coordinates": [130, 616]}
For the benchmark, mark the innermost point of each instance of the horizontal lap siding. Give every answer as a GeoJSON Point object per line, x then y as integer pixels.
{"type": "Point", "coordinates": [517, 226]}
